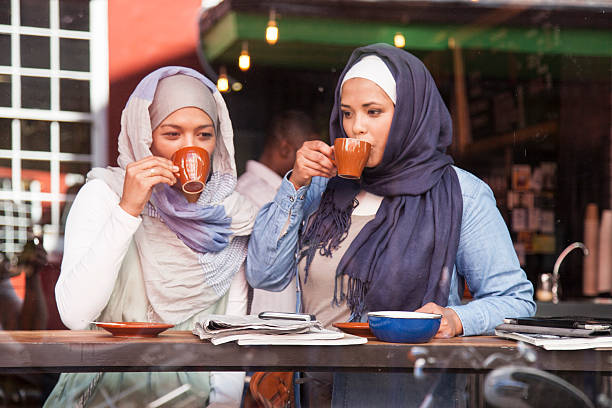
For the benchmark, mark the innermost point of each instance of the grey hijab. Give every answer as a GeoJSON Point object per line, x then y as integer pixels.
{"type": "Point", "coordinates": [181, 91]}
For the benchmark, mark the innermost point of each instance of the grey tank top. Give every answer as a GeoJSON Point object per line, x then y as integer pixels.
{"type": "Point", "coordinates": [318, 290]}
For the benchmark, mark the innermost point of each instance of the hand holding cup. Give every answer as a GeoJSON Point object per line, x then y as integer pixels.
{"type": "Point", "coordinates": [314, 158]}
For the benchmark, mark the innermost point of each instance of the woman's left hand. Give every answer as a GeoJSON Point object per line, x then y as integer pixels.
{"type": "Point", "coordinates": [450, 326]}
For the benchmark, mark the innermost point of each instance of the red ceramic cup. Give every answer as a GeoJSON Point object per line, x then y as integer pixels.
{"type": "Point", "coordinates": [193, 163]}
{"type": "Point", "coordinates": [351, 156]}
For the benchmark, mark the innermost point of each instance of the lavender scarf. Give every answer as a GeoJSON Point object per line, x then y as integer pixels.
{"type": "Point", "coordinates": [202, 228]}
{"type": "Point", "coordinates": [404, 257]}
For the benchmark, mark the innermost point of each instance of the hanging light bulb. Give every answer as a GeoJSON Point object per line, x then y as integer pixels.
{"type": "Point", "coordinates": [244, 61]}
{"type": "Point", "coordinates": [272, 29]}
{"type": "Point", "coordinates": [222, 82]}
{"type": "Point", "coordinates": [399, 40]}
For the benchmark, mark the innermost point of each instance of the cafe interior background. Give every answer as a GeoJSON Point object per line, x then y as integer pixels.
{"type": "Point", "coordinates": [528, 83]}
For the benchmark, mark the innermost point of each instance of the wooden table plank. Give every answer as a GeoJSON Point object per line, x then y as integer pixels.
{"type": "Point", "coordinates": [103, 337]}
{"type": "Point", "coordinates": [78, 351]}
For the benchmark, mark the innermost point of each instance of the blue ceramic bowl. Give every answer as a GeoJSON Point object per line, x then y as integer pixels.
{"type": "Point", "coordinates": [404, 327]}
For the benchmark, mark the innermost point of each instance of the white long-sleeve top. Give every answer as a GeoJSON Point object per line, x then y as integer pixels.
{"type": "Point", "coordinates": [97, 238]}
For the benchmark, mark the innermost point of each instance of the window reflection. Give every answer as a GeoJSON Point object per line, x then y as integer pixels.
{"type": "Point", "coordinates": [36, 175]}
{"type": "Point", "coordinates": [5, 11]}
{"type": "Point", "coordinates": [35, 135]}
{"type": "Point", "coordinates": [74, 54]}
{"type": "Point", "coordinates": [5, 172]}
{"type": "Point", "coordinates": [73, 169]}
{"type": "Point", "coordinates": [5, 49]}
{"type": "Point", "coordinates": [35, 205]}
{"type": "Point", "coordinates": [74, 15]}
{"type": "Point", "coordinates": [14, 215]}
{"type": "Point", "coordinates": [34, 51]}
{"type": "Point", "coordinates": [34, 13]}
{"type": "Point", "coordinates": [75, 137]}
{"type": "Point", "coordinates": [5, 134]}
{"type": "Point", "coordinates": [561, 100]}
{"type": "Point", "coordinates": [5, 90]}
{"type": "Point", "coordinates": [35, 92]}
{"type": "Point", "coordinates": [74, 95]}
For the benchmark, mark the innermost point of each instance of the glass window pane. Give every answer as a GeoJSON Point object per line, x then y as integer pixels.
{"type": "Point", "coordinates": [75, 169]}
{"type": "Point", "coordinates": [5, 11]}
{"type": "Point", "coordinates": [5, 90]}
{"type": "Point", "coordinates": [75, 138]}
{"type": "Point", "coordinates": [35, 93]}
{"type": "Point", "coordinates": [74, 95]}
{"type": "Point", "coordinates": [73, 183]}
{"type": "Point", "coordinates": [35, 51]}
{"type": "Point", "coordinates": [74, 54]}
{"type": "Point", "coordinates": [5, 133]}
{"type": "Point", "coordinates": [74, 15]}
{"type": "Point", "coordinates": [35, 13]}
{"type": "Point", "coordinates": [39, 170]}
{"type": "Point", "coordinates": [5, 169]}
{"type": "Point", "coordinates": [5, 49]}
{"type": "Point", "coordinates": [35, 135]}
{"type": "Point", "coordinates": [40, 211]}
{"type": "Point", "coordinates": [5, 175]}
{"type": "Point", "coordinates": [15, 221]}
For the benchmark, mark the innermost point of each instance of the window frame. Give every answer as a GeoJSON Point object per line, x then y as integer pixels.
{"type": "Point", "coordinates": [96, 117]}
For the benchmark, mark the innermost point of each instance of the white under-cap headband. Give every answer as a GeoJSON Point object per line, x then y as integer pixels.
{"type": "Point", "coordinates": [373, 68]}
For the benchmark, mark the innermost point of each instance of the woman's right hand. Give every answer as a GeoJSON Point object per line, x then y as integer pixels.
{"type": "Point", "coordinates": [140, 178]}
{"type": "Point", "coordinates": [314, 158]}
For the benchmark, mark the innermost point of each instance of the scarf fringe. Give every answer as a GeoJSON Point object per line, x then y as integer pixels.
{"type": "Point", "coordinates": [354, 296]}
{"type": "Point", "coordinates": [323, 237]}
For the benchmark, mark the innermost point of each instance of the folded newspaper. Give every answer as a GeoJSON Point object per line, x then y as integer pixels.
{"type": "Point", "coordinates": [554, 342]}
{"type": "Point", "coordinates": [252, 330]}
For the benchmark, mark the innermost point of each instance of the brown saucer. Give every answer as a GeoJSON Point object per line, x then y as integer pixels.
{"type": "Point", "coordinates": [355, 328]}
{"type": "Point", "coordinates": [134, 329]}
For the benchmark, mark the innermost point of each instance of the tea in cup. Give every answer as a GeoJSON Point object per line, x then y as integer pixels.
{"type": "Point", "coordinates": [351, 156]}
{"type": "Point", "coordinates": [193, 163]}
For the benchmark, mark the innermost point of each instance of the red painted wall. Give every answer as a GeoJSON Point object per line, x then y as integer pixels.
{"type": "Point", "coordinates": [143, 36]}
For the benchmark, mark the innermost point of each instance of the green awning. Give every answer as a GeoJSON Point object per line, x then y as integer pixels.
{"type": "Point", "coordinates": [323, 42]}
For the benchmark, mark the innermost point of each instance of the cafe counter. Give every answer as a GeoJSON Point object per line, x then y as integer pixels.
{"type": "Point", "coordinates": [91, 351]}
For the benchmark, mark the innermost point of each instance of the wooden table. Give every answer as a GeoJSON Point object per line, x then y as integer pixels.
{"type": "Point", "coordinates": [89, 351]}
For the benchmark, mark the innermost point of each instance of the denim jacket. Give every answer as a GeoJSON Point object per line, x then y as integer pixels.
{"type": "Point", "coordinates": [485, 257]}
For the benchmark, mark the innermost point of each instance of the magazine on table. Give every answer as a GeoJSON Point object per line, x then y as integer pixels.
{"type": "Point", "coordinates": [555, 331]}
{"type": "Point", "coordinates": [598, 324]}
{"type": "Point", "coordinates": [558, 333]}
{"type": "Point", "coordinates": [552, 342]}
{"type": "Point", "coordinates": [279, 330]}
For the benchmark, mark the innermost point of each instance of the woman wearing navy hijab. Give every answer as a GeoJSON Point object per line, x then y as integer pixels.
{"type": "Point", "coordinates": [406, 236]}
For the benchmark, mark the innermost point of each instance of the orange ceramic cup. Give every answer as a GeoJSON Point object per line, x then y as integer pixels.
{"type": "Point", "coordinates": [351, 156]}
{"type": "Point", "coordinates": [193, 163]}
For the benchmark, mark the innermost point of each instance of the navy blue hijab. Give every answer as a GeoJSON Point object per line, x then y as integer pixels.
{"type": "Point", "coordinates": [404, 257]}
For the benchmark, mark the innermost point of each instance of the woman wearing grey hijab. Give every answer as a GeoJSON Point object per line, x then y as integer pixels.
{"type": "Point", "coordinates": [138, 250]}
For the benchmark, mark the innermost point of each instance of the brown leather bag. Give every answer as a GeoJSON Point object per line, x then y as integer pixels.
{"type": "Point", "coordinates": [273, 389]}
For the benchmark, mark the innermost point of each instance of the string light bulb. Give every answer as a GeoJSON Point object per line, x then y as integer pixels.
{"type": "Point", "coordinates": [399, 40]}
{"type": "Point", "coordinates": [272, 29]}
{"type": "Point", "coordinates": [222, 82]}
{"type": "Point", "coordinates": [244, 61]}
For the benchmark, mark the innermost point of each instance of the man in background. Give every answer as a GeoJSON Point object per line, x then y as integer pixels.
{"type": "Point", "coordinates": [261, 180]}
